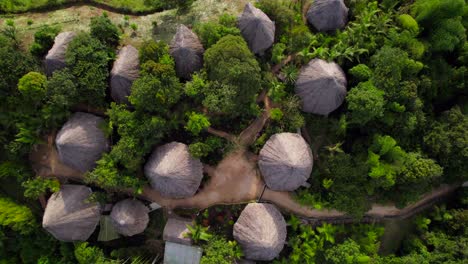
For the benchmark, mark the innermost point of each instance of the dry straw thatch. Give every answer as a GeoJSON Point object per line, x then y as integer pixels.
{"type": "Point", "coordinates": [322, 87]}
{"type": "Point", "coordinates": [69, 216]}
{"type": "Point", "coordinates": [80, 142]}
{"type": "Point", "coordinates": [187, 51]}
{"type": "Point", "coordinates": [55, 58]}
{"type": "Point", "coordinates": [125, 70]}
{"type": "Point", "coordinates": [130, 217]}
{"type": "Point", "coordinates": [260, 231]}
{"type": "Point", "coordinates": [173, 172]}
{"type": "Point", "coordinates": [328, 15]}
{"type": "Point", "coordinates": [285, 162]}
{"type": "Point", "coordinates": [257, 29]}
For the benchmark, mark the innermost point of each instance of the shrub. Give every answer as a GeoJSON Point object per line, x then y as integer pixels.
{"type": "Point", "coordinates": [102, 28]}
{"type": "Point", "coordinates": [33, 86]}
{"type": "Point", "coordinates": [196, 123]}
{"type": "Point", "coordinates": [365, 103]}
{"type": "Point", "coordinates": [43, 40]}
{"type": "Point", "coordinates": [361, 72]}
{"type": "Point", "coordinates": [407, 22]}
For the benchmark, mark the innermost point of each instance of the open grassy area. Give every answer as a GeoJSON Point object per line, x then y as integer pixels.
{"type": "Point", "coordinates": [131, 6]}
{"type": "Point", "coordinates": [160, 26]}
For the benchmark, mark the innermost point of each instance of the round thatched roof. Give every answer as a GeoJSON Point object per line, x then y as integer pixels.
{"type": "Point", "coordinates": [260, 231]}
{"type": "Point", "coordinates": [322, 87]}
{"type": "Point", "coordinates": [257, 29]}
{"type": "Point", "coordinates": [173, 172]}
{"type": "Point", "coordinates": [187, 51]}
{"type": "Point", "coordinates": [55, 58]}
{"type": "Point", "coordinates": [285, 162]}
{"type": "Point", "coordinates": [80, 142]}
{"type": "Point", "coordinates": [124, 72]}
{"type": "Point", "coordinates": [69, 216]}
{"type": "Point", "coordinates": [130, 217]}
{"type": "Point", "coordinates": [328, 15]}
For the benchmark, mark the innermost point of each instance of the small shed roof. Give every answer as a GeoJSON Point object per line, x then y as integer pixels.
{"type": "Point", "coordinates": [69, 216]}
{"type": "Point", "coordinates": [328, 15]}
{"type": "Point", "coordinates": [285, 162]}
{"type": "Point", "coordinates": [260, 231]}
{"type": "Point", "coordinates": [257, 29]}
{"type": "Point", "coordinates": [80, 142]}
{"type": "Point", "coordinates": [187, 51]}
{"type": "Point", "coordinates": [322, 87]}
{"type": "Point", "coordinates": [130, 217]}
{"type": "Point", "coordinates": [181, 254]}
{"type": "Point", "coordinates": [55, 58]}
{"type": "Point", "coordinates": [176, 231]}
{"type": "Point", "coordinates": [124, 72]}
{"type": "Point", "coordinates": [173, 172]}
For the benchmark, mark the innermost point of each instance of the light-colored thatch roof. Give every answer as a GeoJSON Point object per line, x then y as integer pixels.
{"type": "Point", "coordinates": [328, 15]}
{"type": "Point", "coordinates": [285, 162]}
{"type": "Point", "coordinates": [69, 216]}
{"type": "Point", "coordinates": [55, 58]}
{"type": "Point", "coordinates": [187, 51]}
{"type": "Point", "coordinates": [257, 29]}
{"type": "Point", "coordinates": [173, 172]}
{"type": "Point", "coordinates": [130, 217]}
{"type": "Point", "coordinates": [80, 142]}
{"type": "Point", "coordinates": [260, 231]}
{"type": "Point", "coordinates": [322, 87]}
{"type": "Point", "coordinates": [124, 72]}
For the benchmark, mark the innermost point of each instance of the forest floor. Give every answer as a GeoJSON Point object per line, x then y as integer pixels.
{"type": "Point", "coordinates": [77, 18]}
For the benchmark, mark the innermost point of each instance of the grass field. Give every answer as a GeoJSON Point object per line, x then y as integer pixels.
{"type": "Point", "coordinates": [77, 18]}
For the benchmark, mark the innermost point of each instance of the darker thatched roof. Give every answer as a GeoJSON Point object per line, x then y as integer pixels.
{"type": "Point", "coordinates": [124, 72]}
{"type": "Point", "coordinates": [80, 142]}
{"type": "Point", "coordinates": [328, 15]}
{"type": "Point", "coordinates": [69, 216]}
{"type": "Point", "coordinates": [260, 231]}
{"type": "Point", "coordinates": [187, 51]}
{"type": "Point", "coordinates": [322, 87]}
{"type": "Point", "coordinates": [173, 172]}
{"type": "Point", "coordinates": [257, 29]}
{"type": "Point", "coordinates": [55, 58]}
{"type": "Point", "coordinates": [130, 217]}
{"type": "Point", "coordinates": [285, 162]}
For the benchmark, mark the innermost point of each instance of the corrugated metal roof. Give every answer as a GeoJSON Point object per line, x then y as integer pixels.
{"type": "Point", "coordinates": [181, 254]}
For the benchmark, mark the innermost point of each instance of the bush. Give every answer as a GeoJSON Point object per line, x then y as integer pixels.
{"type": "Point", "coordinates": [33, 86]}
{"type": "Point", "coordinates": [211, 32]}
{"type": "Point", "coordinates": [365, 103]}
{"type": "Point", "coordinates": [153, 50]}
{"type": "Point", "coordinates": [196, 123]}
{"type": "Point", "coordinates": [43, 40]}
{"type": "Point", "coordinates": [407, 22]}
{"type": "Point", "coordinates": [102, 28]}
{"type": "Point", "coordinates": [361, 72]}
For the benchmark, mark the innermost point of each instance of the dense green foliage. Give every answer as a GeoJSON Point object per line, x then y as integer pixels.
{"type": "Point", "coordinates": [43, 40]}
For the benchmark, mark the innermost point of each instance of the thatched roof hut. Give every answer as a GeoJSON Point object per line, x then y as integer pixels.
{"type": "Point", "coordinates": [69, 216]}
{"type": "Point", "coordinates": [322, 87]}
{"type": "Point", "coordinates": [55, 58]}
{"type": "Point", "coordinates": [173, 172]}
{"type": "Point", "coordinates": [257, 29]}
{"type": "Point", "coordinates": [328, 15]}
{"type": "Point", "coordinates": [187, 51]}
{"type": "Point", "coordinates": [130, 217]}
{"type": "Point", "coordinates": [260, 231]}
{"type": "Point", "coordinates": [80, 142]}
{"type": "Point", "coordinates": [285, 162]}
{"type": "Point", "coordinates": [124, 72]}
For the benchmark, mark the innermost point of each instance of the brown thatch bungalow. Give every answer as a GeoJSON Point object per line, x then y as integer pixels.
{"type": "Point", "coordinates": [130, 217]}
{"type": "Point", "coordinates": [69, 216]}
{"type": "Point", "coordinates": [55, 58]}
{"type": "Point", "coordinates": [285, 162]}
{"type": "Point", "coordinates": [124, 72]}
{"type": "Point", "coordinates": [257, 29]}
{"type": "Point", "coordinates": [322, 87]}
{"type": "Point", "coordinates": [260, 231]}
{"type": "Point", "coordinates": [187, 51]}
{"type": "Point", "coordinates": [80, 142]}
{"type": "Point", "coordinates": [328, 15]}
{"type": "Point", "coordinates": [173, 172]}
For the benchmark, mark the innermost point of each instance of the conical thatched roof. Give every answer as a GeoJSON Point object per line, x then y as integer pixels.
{"type": "Point", "coordinates": [124, 72]}
{"type": "Point", "coordinates": [328, 15]}
{"type": "Point", "coordinates": [285, 162]}
{"type": "Point", "coordinates": [260, 231]}
{"type": "Point", "coordinates": [130, 217]}
{"type": "Point", "coordinates": [322, 87]}
{"type": "Point", "coordinates": [69, 216]}
{"type": "Point", "coordinates": [55, 58]}
{"type": "Point", "coordinates": [257, 29]}
{"type": "Point", "coordinates": [187, 51]}
{"type": "Point", "coordinates": [80, 142]}
{"type": "Point", "coordinates": [173, 172]}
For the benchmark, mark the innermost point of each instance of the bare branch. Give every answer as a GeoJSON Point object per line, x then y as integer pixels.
{"type": "Point", "coordinates": [222, 134]}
